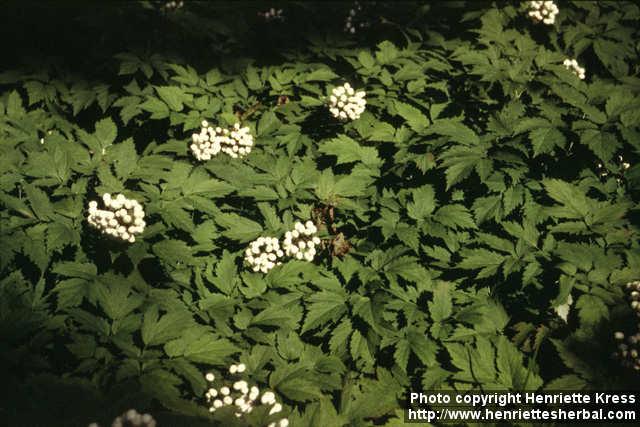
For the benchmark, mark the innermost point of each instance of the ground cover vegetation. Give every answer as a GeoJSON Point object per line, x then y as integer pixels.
{"type": "Point", "coordinates": [465, 218]}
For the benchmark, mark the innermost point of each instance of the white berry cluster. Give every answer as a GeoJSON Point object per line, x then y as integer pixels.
{"type": "Point", "coordinates": [603, 172]}
{"type": "Point", "coordinates": [235, 141]}
{"type": "Point", "coordinates": [543, 11]}
{"type": "Point", "coordinates": [572, 64]}
{"type": "Point", "coordinates": [131, 418]}
{"type": "Point", "coordinates": [49, 132]}
{"type": "Point", "coordinates": [623, 165]}
{"type": "Point", "coordinates": [173, 5]}
{"type": "Point", "coordinates": [272, 15]}
{"type": "Point", "coordinates": [301, 242]}
{"type": "Point", "coordinates": [263, 254]}
{"type": "Point", "coordinates": [633, 289]}
{"type": "Point", "coordinates": [345, 103]}
{"type": "Point", "coordinates": [122, 218]}
{"type": "Point", "coordinates": [349, 24]}
{"type": "Point", "coordinates": [243, 397]}
{"type": "Point", "coordinates": [629, 349]}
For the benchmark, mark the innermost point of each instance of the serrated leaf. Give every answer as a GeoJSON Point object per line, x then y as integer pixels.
{"type": "Point", "coordinates": [106, 132]}
{"type": "Point", "coordinates": [177, 217]}
{"type": "Point", "coordinates": [268, 123]}
{"type": "Point", "coordinates": [460, 161]}
{"type": "Point", "coordinates": [401, 354]}
{"type": "Point", "coordinates": [173, 251]}
{"type": "Point", "coordinates": [569, 195]}
{"type": "Point", "coordinates": [352, 185]}
{"type": "Point", "coordinates": [340, 336]}
{"type": "Point", "coordinates": [415, 119]}
{"type": "Point", "coordinates": [409, 269]}
{"type": "Point", "coordinates": [591, 309]}
{"type": "Point", "coordinates": [157, 108]}
{"type": "Point", "coordinates": [360, 349]}
{"type": "Point", "coordinates": [238, 228]}
{"type": "Point", "coordinates": [531, 123]}
{"type": "Point", "coordinates": [509, 362]}
{"type": "Point", "coordinates": [383, 132]}
{"type": "Point", "coordinates": [386, 52]}
{"type": "Point", "coordinates": [201, 183]}
{"type": "Point", "coordinates": [485, 208]}
{"type": "Point", "coordinates": [454, 216]}
{"type": "Point", "coordinates": [566, 382]}
{"type": "Point", "coordinates": [203, 349]}
{"type": "Point", "coordinates": [309, 101]}
{"type": "Point", "coordinates": [366, 59]}
{"type": "Point", "coordinates": [324, 307]}
{"type": "Point", "coordinates": [481, 258]}
{"type": "Point", "coordinates": [544, 140]}
{"type": "Point", "coordinates": [61, 234]}
{"type": "Point", "coordinates": [457, 131]}
{"type": "Point", "coordinates": [40, 203]}
{"type": "Point", "coordinates": [603, 144]}
{"type": "Point", "coordinates": [226, 273]}
{"type": "Point", "coordinates": [572, 360]}
{"type": "Point", "coordinates": [85, 271]}
{"type": "Point", "coordinates": [172, 96]}
{"type": "Point", "coordinates": [531, 271]}
{"type": "Point", "coordinates": [300, 389]}
{"type": "Point", "coordinates": [321, 74]}
{"type": "Point", "coordinates": [496, 242]}
{"type": "Point", "coordinates": [270, 215]}
{"type": "Point", "coordinates": [347, 150]}
{"type": "Point", "coordinates": [14, 105]}
{"type": "Point", "coordinates": [433, 377]}
{"type": "Point", "coordinates": [159, 330]}
{"type": "Point", "coordinates": [424, 203]}
{"type": "Point", "coordinates": [482, 360]}
{"type": "Point", "coordinates": [441, 307]}
{"type": "Point", "coordinates": [70, 292]}
{"type": "Point", "coordinates": [423, 347]}
{"type": "Point", "coordinates": [125, 158]}
{"type": "Point", "coordinates": [116, 298]}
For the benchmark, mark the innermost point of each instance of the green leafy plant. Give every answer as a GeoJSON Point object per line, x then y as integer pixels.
{"type": "Point", "coordinates": [468, 238]}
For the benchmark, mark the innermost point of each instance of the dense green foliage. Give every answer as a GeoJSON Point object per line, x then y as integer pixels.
{"type": "Point", "coordinates": [457, 214]}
